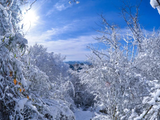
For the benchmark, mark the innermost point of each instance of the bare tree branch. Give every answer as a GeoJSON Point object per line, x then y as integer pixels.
{"type": "Point", "coordinates": [31, 5]}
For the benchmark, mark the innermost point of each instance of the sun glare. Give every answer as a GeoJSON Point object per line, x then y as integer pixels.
{"type": "Point", "coordinates": [30, 19]}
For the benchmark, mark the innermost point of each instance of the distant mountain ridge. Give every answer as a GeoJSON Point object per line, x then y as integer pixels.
{"type": "Point", "coordinates": [78, 62]}
{"type": "Point", "coordinates": [77, 65]}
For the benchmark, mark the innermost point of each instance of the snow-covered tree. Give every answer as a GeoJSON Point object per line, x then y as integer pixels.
{"type": "Point", "coordinates": [155, 4]}
{"type": "Point", "coordinates": [54, 77]}
{"type": "Point", "coordinates": [147, 64]}
{"type": "Point", "coordinates": [19, 96]}
{"type": "Point", "coordinates": [53, 64]}
{"type": "Point", "coordinates": [116, 81]}
{"type": "Point", "coordinates": [125, 76]}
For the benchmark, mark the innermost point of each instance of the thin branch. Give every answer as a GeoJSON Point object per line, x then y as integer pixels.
{"type": "Point", "coordinates": [31, 5]}
{"type": "Point", "coordinates": [147, 111]}
{"type": "Point", "coordinates": [158, 2]}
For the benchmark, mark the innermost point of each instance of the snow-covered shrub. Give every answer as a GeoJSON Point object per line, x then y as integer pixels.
{"type": "Point", "coordinates": [117, 90]}
{"type": "Point", "coordinates": [48, 75]}
{"type": "Point", "coordinates": [59, 110]}
{"type": "Point", "coordinates": [114, 78]}
{"type": "Point", "coordinates": [123, 76]}
{"type": "Point", "coordinates": [147, 64]}
{"type": "Point", "coordinates": [101, 117]}
{"type": "Point", "coordinates": [53, 72]}
{"type": "Point", "coordinates": [50, 63]}
{"type": "Point", "coordinates": [14, 95]}
{"type": "Point", "coordinates": [21, 83]}
{"type": "Point", "coordinates": [12, 82]}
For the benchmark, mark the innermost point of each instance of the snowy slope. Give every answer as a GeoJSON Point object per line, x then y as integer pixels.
{"type": "Point", "coordinates": [83, 115]}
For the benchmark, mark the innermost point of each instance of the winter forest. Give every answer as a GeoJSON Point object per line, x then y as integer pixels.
{"type": "Point", "coordinates": [121, 82]}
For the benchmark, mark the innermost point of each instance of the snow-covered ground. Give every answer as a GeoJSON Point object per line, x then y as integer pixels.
{"type": "Point", "coordinates": [88, 115]}
{"type": "Point", "coordinates": [83, 115]}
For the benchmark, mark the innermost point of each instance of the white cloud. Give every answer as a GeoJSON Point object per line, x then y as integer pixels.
{"type": "Point", "coordinates": [73, 48]}
{"type": "Point", "coordinates": [47, 35]}
{"type": "Point", "coordinates": [59, 6]}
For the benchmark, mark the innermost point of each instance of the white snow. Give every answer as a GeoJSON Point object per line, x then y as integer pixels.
{"type": "Point", "coordinates": [1, 7]}
{"type": "Point", "coordinates": [101, 117]}
{"type": "Point", "coordinates": [21, 103]}
{"type": "Point", "coordinates": [5, 13]}
{"type": "Point", "coordinates": [88, 115]}
{"type": "Point", "coordinates": [158, 8]}
{"type": "Point", "coordinates": [155, 4]}
{"type": "Point", "coordinates": [83, 115]}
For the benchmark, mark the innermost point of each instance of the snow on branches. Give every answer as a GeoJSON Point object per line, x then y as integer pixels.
{"type": "Point", "coordinates": [155, 4]}
{"type": "Point", "coordinates": [24, 84]}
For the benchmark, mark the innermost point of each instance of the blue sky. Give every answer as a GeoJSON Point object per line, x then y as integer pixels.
{"type": "Point", "coordinates": [68, 28]}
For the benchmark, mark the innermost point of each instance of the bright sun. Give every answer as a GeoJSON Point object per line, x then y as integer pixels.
{"type": "Point", "coordinates": [30, 19]}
